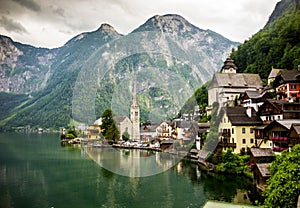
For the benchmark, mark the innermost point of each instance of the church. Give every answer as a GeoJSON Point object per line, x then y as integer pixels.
{"type": "Point", "coordinates": [132, 125]}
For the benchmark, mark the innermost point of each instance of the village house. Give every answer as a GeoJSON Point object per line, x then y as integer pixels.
{"type": "Point", "coordinates": [260, 160]}
{"type": "Point", "coordinates": [92, 132]}
{"type": "Point", "coordinates": [253, 99]}
{"type": "Point", "coordinates": [287, 84]}
{"type": "Point", "coordinates": [272, 110]}
{"type": "Point", "coordinates": [164, 130]}
{"type": "Point", "coordinates": [124, 125]}
{"type": "Point", "coordinates": [236, 128]}
{"type": "Point", "coordinates": [278, 133]}
{"type": "Point", "coordinates": [227, 85]}
{"type": "Point", "coordinates": [294, 134]}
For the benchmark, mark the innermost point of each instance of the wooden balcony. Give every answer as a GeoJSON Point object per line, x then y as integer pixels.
{"type": "Point", "coordinates": [227, 144]}
{"type": "Point", "coordinates": [225, 134]}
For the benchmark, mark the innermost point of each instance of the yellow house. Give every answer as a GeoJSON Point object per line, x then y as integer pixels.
{"type": "Point", "coordinates": [236, 128]}
{"type": "Point", "coordinates": [92, 132]}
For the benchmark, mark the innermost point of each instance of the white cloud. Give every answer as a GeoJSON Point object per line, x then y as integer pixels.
{"type": "Point", "coordinates": [50, 23]}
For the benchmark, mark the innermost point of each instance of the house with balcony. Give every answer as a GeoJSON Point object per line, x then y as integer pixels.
{"type": "Point", "coordinates": [164, 130]}
{"type": "Point", "coordinates": [236, 128]}
{"type": "Point", "coordinates": [272, 110]}
{"type": "Point", "coordinates": [287, 84]}
{"type": "Point", "coordinates": [294, 134]}
{"type": "Point", "coordinates": [281, 134]}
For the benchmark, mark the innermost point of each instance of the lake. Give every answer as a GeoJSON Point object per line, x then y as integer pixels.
{"type": "Point", "coordinates": [36, 171]}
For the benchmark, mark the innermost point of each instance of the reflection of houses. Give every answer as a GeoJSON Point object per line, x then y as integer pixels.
{"type": "Point", "coordinates": [236, 129]}
{"type": "Point", "coordinates": [228, 85]}
{"type": "Point", "coordinates": [124, 124]}
{"type": "Point", "coordinates": [287, 84]}
{"type": "Point", "coordinates": [92, 132]}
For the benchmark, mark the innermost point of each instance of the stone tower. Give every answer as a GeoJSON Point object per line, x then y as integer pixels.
{"type": "Point", "coordinates": [135, 115]}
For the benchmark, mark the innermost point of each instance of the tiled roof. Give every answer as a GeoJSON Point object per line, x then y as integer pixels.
{"type": "Point", "coordinates": [261, 152]}
{"type": "Point", "coordinates": [297, 128]}
{"type": "Point", "coordinates": [263, 169]}
{"type": "Point", "coordinates": [238, 80]}
{"type": "Point", "coordinates": [290, 75]}
{"type": "Point", "coordinates": [119, 119]}
{"type": "Point", "coordinates": [238, 117]}
{"type": "Point", "coordinates": [287, 123]}
{"type": "Point", "coordinates": [274, 73]}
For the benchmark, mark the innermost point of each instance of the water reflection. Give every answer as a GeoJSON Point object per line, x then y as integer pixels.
{"type": "Point", "coordinates": [38, 172]}
{"type": "Point", "coordinates": [133, 162]}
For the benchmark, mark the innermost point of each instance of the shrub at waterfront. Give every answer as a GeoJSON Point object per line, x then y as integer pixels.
{"type": "Point", "coordinates": [283, 188]}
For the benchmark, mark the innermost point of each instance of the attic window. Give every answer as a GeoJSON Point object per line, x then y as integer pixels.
{"type": "Point", "coordinates": [229, 83]}
{"type": "Point", "coordinates": [245, 84]}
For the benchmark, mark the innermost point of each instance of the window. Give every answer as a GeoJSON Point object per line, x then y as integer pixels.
{"type": "Point", "coordinates": [243, 130]}
{"type": "Point", "coordinates": [251, 141]}
{"type": "Point", "coordinates": [251, 130]}
{"type": "Point", "coordinates": [244, 141]}
{"type": "Point", "coordinates": [232, 130]}
{"type": "Point", "coordinates": [293, 86]}
{"type": "Point", "coordinates": [232, 140]}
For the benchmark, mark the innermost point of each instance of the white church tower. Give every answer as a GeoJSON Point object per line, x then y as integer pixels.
{"type": "Point", "coordinates": [135, 116]}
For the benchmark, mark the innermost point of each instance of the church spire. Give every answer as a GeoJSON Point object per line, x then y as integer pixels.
{"type": "Point", "coordinates": [135, 113]}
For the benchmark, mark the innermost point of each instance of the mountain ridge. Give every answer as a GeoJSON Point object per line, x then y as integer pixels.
{"type": "Point", "coordinates": [184, 50]}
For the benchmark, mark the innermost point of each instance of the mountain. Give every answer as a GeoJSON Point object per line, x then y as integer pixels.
{"type": "Point", "coordinates": [167, 57]}
{"type": "Point", "coordinates": [276, 45]}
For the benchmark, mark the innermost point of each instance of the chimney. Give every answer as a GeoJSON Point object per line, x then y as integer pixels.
{"type": "Point", "coordinates": [249, 112]}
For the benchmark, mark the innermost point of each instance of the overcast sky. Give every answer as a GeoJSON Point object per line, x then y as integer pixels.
{"type": "Point", "coordinates": [51, 23]}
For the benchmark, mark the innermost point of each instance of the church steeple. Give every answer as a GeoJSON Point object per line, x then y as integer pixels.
{"type": "Point", "coordinates": [135, 114]}
{"type": "Point", "coordinates": [229, 66]}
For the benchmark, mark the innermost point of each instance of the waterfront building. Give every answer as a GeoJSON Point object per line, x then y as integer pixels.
{"type": "Point", "coordinates": [135, 115]}
{"type": "Point", "coordinates": [164, 130]}
{"type": "Point", "coordinates": [124, 124]}
{"type": "Point", "coordinates": [236, 128]}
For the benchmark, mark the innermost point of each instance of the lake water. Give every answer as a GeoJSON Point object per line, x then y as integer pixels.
{"type": "Point", "coordinates": [36, 171]}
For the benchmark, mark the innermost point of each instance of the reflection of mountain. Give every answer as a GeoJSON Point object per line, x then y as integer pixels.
{"type": "Point", "coordinates": [133, 162]}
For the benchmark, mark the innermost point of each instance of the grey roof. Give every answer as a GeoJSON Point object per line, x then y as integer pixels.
{"type": "Point", "coordinates": [261, 152]}
{"type": "Point", "coordinates": [274, 73]}
{"type": "Point", "coordinates": [290, 75]}
{"type": "Point", "coordinates": [238, 80]}
{"type": "Point", "coordinates": [238, 117]}
{"type": "Point", "coordinates": [252, 94]}
{"type": "Point", "coordinates": [203, 154]}
{"type": "Point", "coordinates": [263, 169]}
{"type": "Point", "coordinates": [119, 119]}
{"type": "Point", "coordinates": [287, 123]}
{"type": "Point", "coordinates": [297, 128]}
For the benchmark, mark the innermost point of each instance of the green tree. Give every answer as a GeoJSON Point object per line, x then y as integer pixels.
{"type": "Point", "coordinates": [113, 133]}
{"type": "Point", "coordinates": [232, 163]}
{"type": "Point", "coordinates": [107, 120]}
{"type": "Point", "coordinates": [283, 188]}
{"type": "Point", "coordinates": [125, 136]}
